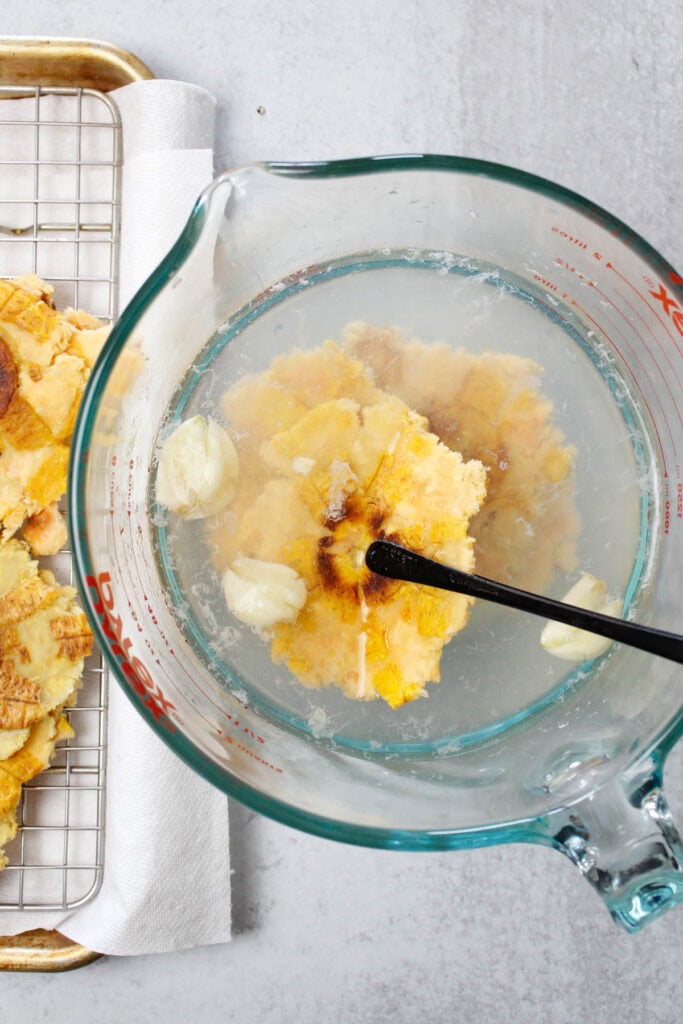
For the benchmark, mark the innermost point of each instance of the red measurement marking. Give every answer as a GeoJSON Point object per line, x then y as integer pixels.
{"type": "Point", "coordinates": [671, 307]}
{"type": "Point", "coordinates": [166, 675]}
{"type": "Point", "coordinates": [190, 677]}
{"type": "Point", "coordinates": [668, 302]}
{"type": "Point", "coordinates": [249, 752]}
{"type": "Point", "coordinates": [642, 298]}
{"type": "Point", "coordinates": [111, 489]}
{"type": "Point", "coordinates": [129, 495]}
{"type": "Point", "coordinates": [122, 575]}
{"type": "Point", "coordinates": [643, 320]}
{"type": "Point", "coordinates": [117, 650]}
{"type": "Point", "coordinates": [635, 380]}
{"type": "Point", "coordinates": [652, 356]}
{"type": "Point", "coordinates": [166, 705]}
{"type": "Point", "coordinates": [236, 724]}
{"type": "Point", "coordinates": [133, 670]}
{"type": "Point", "coordinates": [564, 265]}
{"type": "Point", "coordinates": [548, 285]}
{"type": "Point", "coordinates": [569, 238]}
{"type": "Point", "coordinates": [257, 757]}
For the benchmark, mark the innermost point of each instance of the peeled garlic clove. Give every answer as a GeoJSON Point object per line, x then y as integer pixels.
{"type": "Point", "coordinates": [574, 644]}
{"type": "Point", "coordinates": [197, 469]}
{"type": "Point", "coordinates": [589, 592]}
{"type": "Point", "coordinates": [262, 593]}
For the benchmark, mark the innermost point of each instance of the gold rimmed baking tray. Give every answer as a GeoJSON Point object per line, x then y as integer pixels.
{"type": "Point", "coordinates": [72, 77]}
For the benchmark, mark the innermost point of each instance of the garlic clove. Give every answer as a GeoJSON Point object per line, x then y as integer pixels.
{"type": "Point", "coordinates": [570, 643]}
{"type": "Point", "coordinates": [588, 592]}
{"type": "Point", "coordinates": [261, 593]}
{"type": "Point", "coordinates": [197, 470]}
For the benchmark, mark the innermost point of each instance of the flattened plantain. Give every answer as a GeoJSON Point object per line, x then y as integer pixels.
{"type": "Point", "coordinates": [344, 463]}
{"type": "Point", "coordinates": [45, 360]}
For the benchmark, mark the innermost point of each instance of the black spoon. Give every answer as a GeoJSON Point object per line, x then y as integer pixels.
{"type": "Point", "coordinates": [399, 563]}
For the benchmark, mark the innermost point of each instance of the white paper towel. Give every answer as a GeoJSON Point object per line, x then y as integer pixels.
{"type": "Point", "coordinates": [166, 881]}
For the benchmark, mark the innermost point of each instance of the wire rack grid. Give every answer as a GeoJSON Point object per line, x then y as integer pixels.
{"type": "Point", "coordinates": [60, 157]}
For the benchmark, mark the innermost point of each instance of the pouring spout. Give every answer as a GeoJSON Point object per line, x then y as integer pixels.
{"type": "Point", "coordinates": [624, 841]}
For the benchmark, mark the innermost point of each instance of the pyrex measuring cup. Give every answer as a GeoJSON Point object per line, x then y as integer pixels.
{"type": "Point", "coordinates": [512, 745]}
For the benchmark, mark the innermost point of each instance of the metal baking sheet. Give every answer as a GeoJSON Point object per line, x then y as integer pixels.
{"type": "Point", "coordinates": [60, 158]}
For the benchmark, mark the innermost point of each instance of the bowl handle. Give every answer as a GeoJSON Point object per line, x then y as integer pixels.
{"type": "Point", "coordinates": [623, 839]}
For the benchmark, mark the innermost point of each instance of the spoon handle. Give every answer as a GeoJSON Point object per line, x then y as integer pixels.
{"type": "Point", "coordinates": [399, 563]}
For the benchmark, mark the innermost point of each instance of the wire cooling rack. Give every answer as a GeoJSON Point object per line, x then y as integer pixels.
{"type": "Point", "coordinates": [60, 155]}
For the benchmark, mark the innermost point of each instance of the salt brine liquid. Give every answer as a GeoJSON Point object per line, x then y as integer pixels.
{"type": "Point", "coordinates": [493, 672]}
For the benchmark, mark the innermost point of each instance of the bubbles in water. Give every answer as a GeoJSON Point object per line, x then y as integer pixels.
{"type": "Point", "coordinates": [319, 723]}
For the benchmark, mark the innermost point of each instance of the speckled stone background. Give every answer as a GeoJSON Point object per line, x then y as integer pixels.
{"type": "Point", "coordinates": [588, 94]}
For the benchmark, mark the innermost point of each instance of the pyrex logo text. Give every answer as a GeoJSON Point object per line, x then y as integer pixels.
{"type": "Point", "coordinates": [670, 304]}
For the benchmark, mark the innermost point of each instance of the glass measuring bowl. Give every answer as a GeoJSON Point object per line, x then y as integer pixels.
{"type": "Point", "coordinates": [512, 745]}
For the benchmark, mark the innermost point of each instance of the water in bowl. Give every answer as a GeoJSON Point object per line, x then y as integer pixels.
{"type": "Point", "coordinates": [494, 674]}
